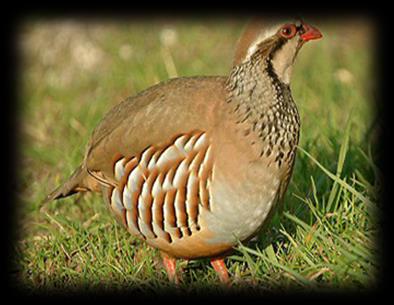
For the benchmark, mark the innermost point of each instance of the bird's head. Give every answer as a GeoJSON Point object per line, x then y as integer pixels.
{"type": "Point", "coordinates": [279, 43]}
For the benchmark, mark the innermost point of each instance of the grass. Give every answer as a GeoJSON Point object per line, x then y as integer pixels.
{"type": "Point", "coordinates": [73, 72]}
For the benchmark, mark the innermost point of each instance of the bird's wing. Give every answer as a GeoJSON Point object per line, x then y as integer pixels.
{"type": "Point", "coordinates": [153, 118]}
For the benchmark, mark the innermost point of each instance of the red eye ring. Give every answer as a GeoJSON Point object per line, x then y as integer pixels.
{"type": "Point", "coordinates": [288, 31]}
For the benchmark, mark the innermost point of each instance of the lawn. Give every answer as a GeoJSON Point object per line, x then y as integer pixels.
{"type": "Point", "coordinates": [74, 70]}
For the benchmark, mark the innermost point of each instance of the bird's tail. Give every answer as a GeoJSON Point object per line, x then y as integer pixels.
{"type": "Point", "coordinates": [79, 181]}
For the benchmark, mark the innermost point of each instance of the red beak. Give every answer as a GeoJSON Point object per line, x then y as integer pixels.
{"type": "Point", "coordinates": [310, 33]}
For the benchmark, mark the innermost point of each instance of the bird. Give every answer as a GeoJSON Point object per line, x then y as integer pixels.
{"type": "Point", "coordinates": [195, 165]}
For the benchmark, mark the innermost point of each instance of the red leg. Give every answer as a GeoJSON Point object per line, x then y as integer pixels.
{"type": "Point", "coordinates": [170, 266]}
{"type": "Point", "coordinates": [221, 269]}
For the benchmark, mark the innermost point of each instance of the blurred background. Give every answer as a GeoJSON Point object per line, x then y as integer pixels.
{"type": "Point", "coordinates": [74, 70]}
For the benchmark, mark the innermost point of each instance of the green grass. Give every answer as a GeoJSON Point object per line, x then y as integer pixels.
{"type": "Point", "coordinates": [73, 73]}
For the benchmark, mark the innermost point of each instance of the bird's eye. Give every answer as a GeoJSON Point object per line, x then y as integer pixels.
{"type": "Point", "coordinates": [288, 31]}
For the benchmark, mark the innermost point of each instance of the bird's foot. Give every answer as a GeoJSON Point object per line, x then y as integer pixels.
{"type": "Point", "coordinates": [170, 266]}
{"type": "Point", "coordinates": [221, 270]}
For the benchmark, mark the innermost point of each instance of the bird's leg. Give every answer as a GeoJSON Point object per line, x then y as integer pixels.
{"type": "Point", "coordinates": [170, 266]}
{"type": "Point", "coordinates": [221, 269]}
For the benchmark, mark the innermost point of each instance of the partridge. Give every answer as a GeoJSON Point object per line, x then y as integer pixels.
{"type": "Point", "coordinates": [195, 165]}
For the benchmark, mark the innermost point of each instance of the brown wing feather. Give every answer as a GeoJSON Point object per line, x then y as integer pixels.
{"type": "Point", "coordinates": [154, 117]}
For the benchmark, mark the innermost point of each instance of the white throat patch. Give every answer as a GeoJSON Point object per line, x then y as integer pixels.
{"type": "Point", "coordinates": [283, 60]}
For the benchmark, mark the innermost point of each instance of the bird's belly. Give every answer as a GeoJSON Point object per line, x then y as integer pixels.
{"type": "Point", "coordinates": [197, 205]}
{"type": "Point", "coordinates": [239, 211]}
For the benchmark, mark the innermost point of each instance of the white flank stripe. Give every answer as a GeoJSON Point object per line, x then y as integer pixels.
{"type": "Point", "coordinates": [127, 198]}
{"type": "Point", "coordinates": [177, 204]}
{"type": "Point", "coordinates": [141, 206]}
{"type": "Point", "coordinates": [180, 144]}
{"type": "Point", "coordinates": [156, 188]}
{"type": "Point", "coordinates": [153, 161]}
{"type": "Point", "coordinates": [119, 169]}
{"type": "Point", "coordinates": [145, 191]}
{"type": "Point", "coordinates": [189, 144]}
{"type": "Point", "coordinates": [190, 182]}
{"type": "Point", "coordinates": [179, 173]}
{"type": "Point", "coordinates": [167, 184]}
{"type": "Point", "coordinates": [169, 154]}
{"type": "Point", "coordinates": [116, 202]}
{"type": "Point", "coordinates": [144, 161]}
{"type": "Point", "coordinates": [131, 224]}
{"type": "Point", "coordinates": [134, 178]}
{"type": "Point", "coordinates": [201, 140]}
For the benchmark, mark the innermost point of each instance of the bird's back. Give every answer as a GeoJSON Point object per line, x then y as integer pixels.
{"type": "Point", "coordinates": [155, 116]}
